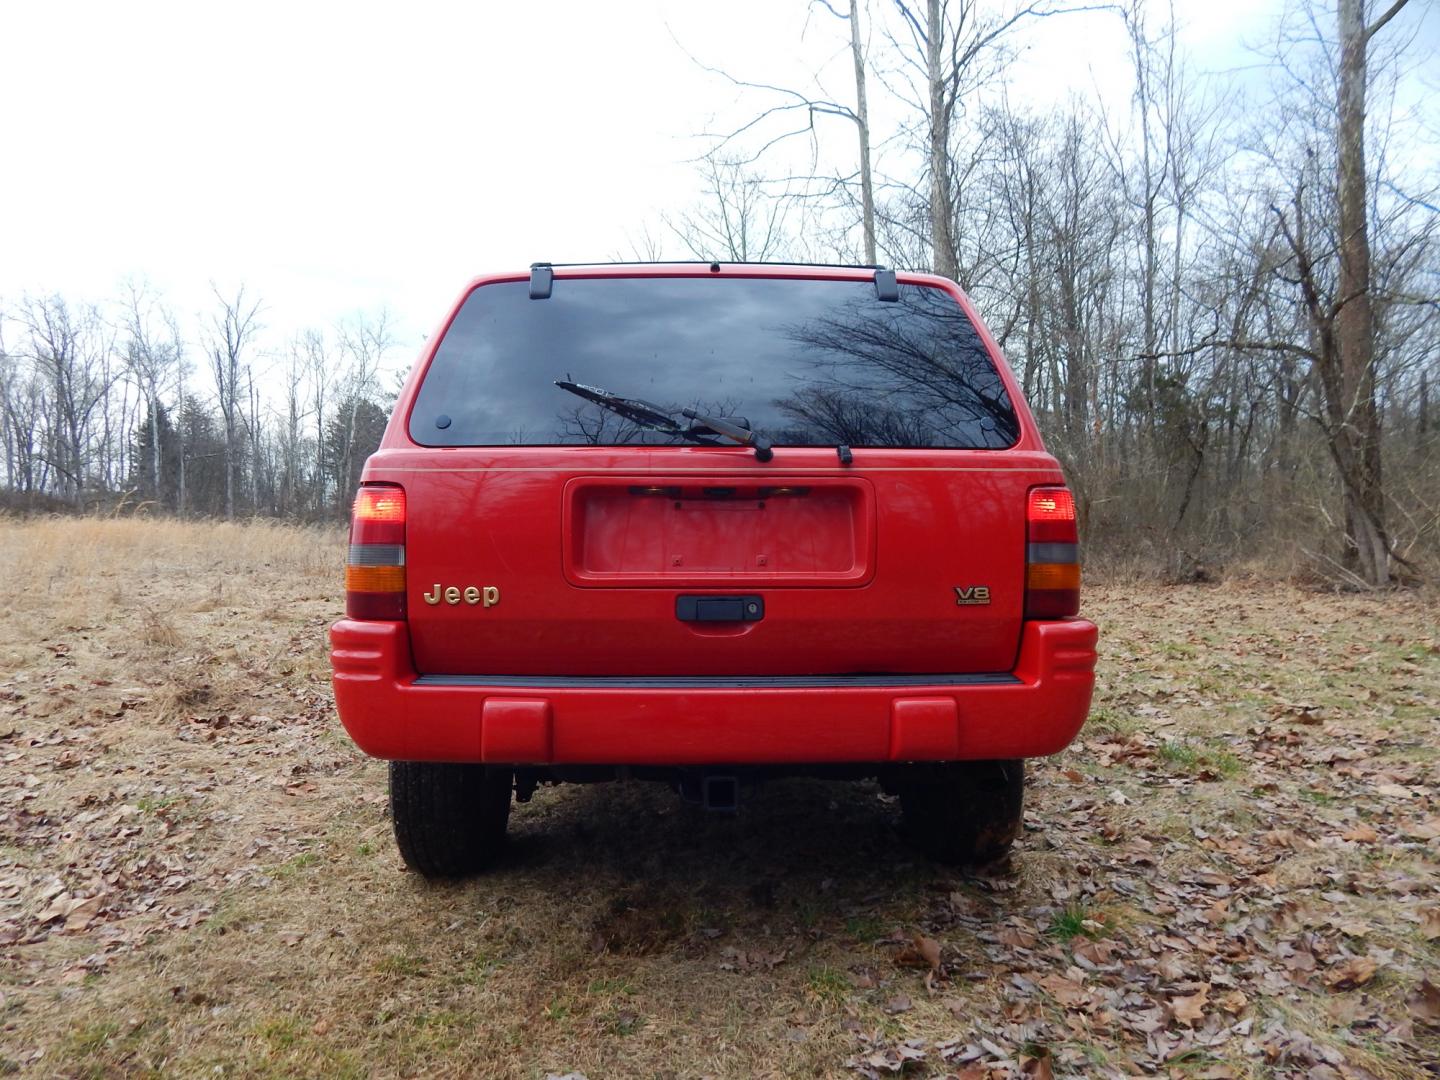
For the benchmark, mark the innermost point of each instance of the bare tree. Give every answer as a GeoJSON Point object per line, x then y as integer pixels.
{"type": "Point", "coordinates": [948, 50]}
{"type": "Point", "coordinates": [293, 414]}
{"type": "Point", "coordinates": [861, 116]}
{"type": "Point", "coordinates": [787, 103]}
{"type": "Point", "coordinates": [69, 348]}
{"type": "Point", "coordinates": [154, 355]}
{"type": "Point", "coordinates": [22, 417]}
{"type": "Point", "coordinates": [1326, 235]}
{"type": "Point", "coordinates": [1358, 422]}
{"type": "Point", "coordinates": [364, 340]}
{"type": "Point", "coordinates": [231, 332]}
{"type": "Point", "coordinates": [318, 369]}
{"type": "Point", "coordinates": [736, 219]}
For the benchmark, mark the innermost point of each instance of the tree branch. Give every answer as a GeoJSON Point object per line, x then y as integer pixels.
{"type": "Point", "coordinates": [1375, 27]}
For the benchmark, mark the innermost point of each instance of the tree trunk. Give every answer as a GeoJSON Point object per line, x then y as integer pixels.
{"type": "Point", "coordinates": [229, 472]}
{"type": "Point", "coordinates": [155, 446]}
{"type": "Point", "coordinates": [862, 121]}
{"type": "Point", "coordinates": [254, 433]}
{"type": "Point", "coordinates": [1354, 319]}
{"type": "Point", "coordinates": [1424, 405]}
{"type": "Point", "coordinates": [942, 239]}
{"type": "Point", "coordinates": [1139, 46]}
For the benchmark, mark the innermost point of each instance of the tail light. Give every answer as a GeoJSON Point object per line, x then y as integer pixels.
{"type": "Point", "coordinates": [375, 568]}
{"type": "Point", "coordinates": [1052, 554]}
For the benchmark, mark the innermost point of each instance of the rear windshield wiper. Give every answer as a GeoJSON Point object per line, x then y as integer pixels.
{"type": "Point", "coordinates": [655, 418]}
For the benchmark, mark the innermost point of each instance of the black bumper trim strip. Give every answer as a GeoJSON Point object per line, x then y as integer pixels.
{"type": "Point", "coordinates": [717, 682]}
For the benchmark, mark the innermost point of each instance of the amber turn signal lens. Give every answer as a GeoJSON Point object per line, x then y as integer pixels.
{"type": "Point", "coordinates": [1053, 576]}
{"type": "Point", "coordinates": [374, 579]}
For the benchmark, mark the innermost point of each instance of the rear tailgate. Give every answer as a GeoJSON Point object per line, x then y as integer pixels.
{"type": "Point", "coordinates": [890, 567]}
{"type": "Point", "coordinates": [551, 534]}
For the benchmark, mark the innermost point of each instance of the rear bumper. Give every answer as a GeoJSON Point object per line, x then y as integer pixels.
{"type": "Point", "coordinates": [392, 713]}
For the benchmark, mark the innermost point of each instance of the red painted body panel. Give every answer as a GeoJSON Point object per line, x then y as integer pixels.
{"type": "Point", "coordinates": [389, 716]}
{"type": "Point", "coordinates": [857, 573]}
{"type": "Point", "coordinates": [497, 517]}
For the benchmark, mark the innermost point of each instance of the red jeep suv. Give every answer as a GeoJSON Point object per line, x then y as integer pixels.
{"type": "Point", "coordinates": [708, 523]}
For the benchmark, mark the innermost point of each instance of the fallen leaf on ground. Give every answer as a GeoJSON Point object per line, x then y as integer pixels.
{"type": "Point", "coordinates": [1064, 991]}
{"type": "Point", "coordinates": [1357, 971]}
{"type": "Point", "coordinates": [1170, 968]}
{"type": "Point", "coordinates": [1233, 1002]}
{"type": "Point", "coordinates": [893, 1058]}
{"type": "Point", "coordinates": [1300, 961]}
{"type": "Point", "coordinates": [1037, 1066]}
{"type": "Point", "coordinates": [1190, 1010]}
{"type": "Point", "coordinates": [743, 960]}
{"type": "Point", "coordinates": [1097, 952]}
{"type": "Point", "coordinates": [929, 950]}
{"type": "Point", "coordinates": [76, 911]}
{"type": "Point", "coordinates": [81, 915]}
{"type": "Point", "coordinates": [1424, 1003]}
{"type": "Point", "coordinates": [1430, 923]}
{"type": "Point", "coordinates": [1429, 829]}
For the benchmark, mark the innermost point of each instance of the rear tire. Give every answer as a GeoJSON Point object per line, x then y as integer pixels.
{"type": "Point", "coordinates": [449, 819]}
{"type": "Point", "coordinates": [965, 812]}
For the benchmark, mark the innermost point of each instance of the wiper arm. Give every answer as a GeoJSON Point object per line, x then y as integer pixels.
{"type": "Point", "coordinates": [655, 418]}
{"type": "Point", "coordinates": [744, 436]}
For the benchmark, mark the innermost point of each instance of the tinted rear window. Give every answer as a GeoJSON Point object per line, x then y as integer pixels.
{"type": "Point", "coordinates": [807, 363]}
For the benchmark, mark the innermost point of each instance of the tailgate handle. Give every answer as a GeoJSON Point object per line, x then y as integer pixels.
{"type": "Point", "coordinates": [719, 608]}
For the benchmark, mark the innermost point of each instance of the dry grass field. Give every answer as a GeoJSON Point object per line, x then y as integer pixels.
{"type": "Point", "coordinates": [1235, 872]}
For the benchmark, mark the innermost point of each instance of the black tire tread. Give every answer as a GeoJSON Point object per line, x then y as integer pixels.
{"type": "Point", "coordinates": [964, 812]}
{"type": "Point", "coordinates": [449, 818]}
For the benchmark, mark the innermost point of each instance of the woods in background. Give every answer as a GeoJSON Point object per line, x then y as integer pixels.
{"type": "Point", "coordinates": [1222, 300]}
{"type": "Point", "coordinates": [111, 405]}
{"type": "Point", "coordinates": [1222, 297]}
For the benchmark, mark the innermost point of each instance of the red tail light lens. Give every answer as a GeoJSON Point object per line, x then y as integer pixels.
{"type": "Point", "coordinates": [375, 567]}
{"type": "Point", "coordinates": [1052, 555]}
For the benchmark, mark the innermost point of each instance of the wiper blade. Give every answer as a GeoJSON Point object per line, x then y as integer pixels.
{"type": "Point", "coordinates": [655, 418]}
{"type": "Point", "coordinates": [641, 412]}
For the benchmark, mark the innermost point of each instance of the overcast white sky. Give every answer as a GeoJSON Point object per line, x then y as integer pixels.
{"type": "Point", "coordinates": [337, 157]}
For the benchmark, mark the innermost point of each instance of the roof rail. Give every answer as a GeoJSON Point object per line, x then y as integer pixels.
{"type": "Point", "coordinates": [542, 274]}
{"type": "Point", "coordinates": [710, 262]}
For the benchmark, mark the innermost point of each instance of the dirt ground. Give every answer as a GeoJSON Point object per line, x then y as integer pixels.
{"type": "Point", "coordinates": [1234, 872]}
